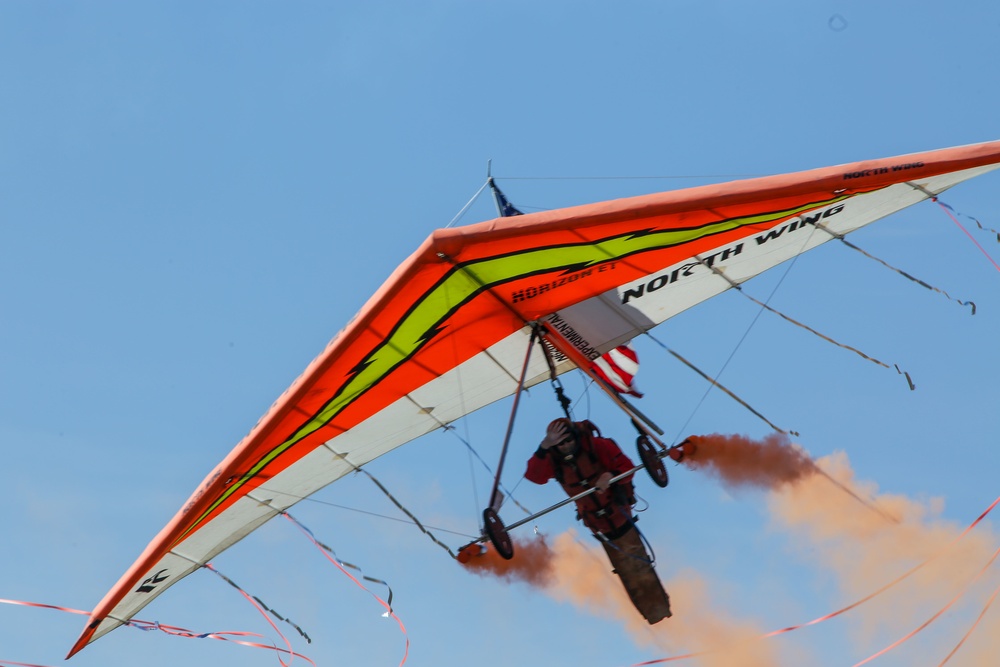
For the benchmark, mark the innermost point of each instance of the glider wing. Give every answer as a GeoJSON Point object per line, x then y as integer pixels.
{"type": "Point", "coordinates": [446, 333]}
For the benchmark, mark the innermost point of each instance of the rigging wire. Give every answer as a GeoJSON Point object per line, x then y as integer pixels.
{"type": "Point", "coordinates": [475, 486]}
{"type": "Point", "coordinates": [369, 513]}
{"type": "Point", "coordinates": [974, 219]}
{"type": "Point", "coordinates": [465, 209]}
{"type": "Point", "coordinates": [261, 607]}
{"type": "Point", "coordinates": [950, 211]}
{"type": "Point", "coordinates": [764, 305]}
{"type": "Point", "coordinates": [468, 205]}
{"type": "Point", "coordinates": [473, 453]}
{"type": "Point", "coordinates": [843, 239]}
{"type": "Point", "coordinates": [732, 354]}
{"type": "Point", "coordinates": [392, 498]}
{"type": "Point", "coordinates": [787, 318]}
{"type": "Point", "coordinates": [715, 382]}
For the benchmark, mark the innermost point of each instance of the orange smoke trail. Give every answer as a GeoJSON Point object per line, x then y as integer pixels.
{"type": "Point", "coordinates": [583, 577]}
{"type": "Point", "coordinates": [571, 572]}
{"type": "Point", "coordinates": [741, 461]}
{"type": "Point", "coordinates": [532, 562]}
{"type": "Point", "coordinates": [768, 463]}
{"type": "Point", "coordinates": [836, 534]}
{"type": "Point", "coordinates": [864, 553]}
{"type": "Point", "coordinates": [858, 546]}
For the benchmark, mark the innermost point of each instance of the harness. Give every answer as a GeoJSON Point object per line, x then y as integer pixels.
{"type": "Point", "coordinates": [605, 512]}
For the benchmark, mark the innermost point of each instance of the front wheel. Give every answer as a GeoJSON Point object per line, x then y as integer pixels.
{"type": "Point", "coordinates": [497, 533]}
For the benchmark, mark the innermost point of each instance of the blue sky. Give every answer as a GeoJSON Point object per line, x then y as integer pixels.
{"type": "Point", "coordinates": [197, 196]}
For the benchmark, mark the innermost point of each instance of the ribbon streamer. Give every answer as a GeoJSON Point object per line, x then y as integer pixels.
{"type": "Point", "coordinates": [172, 630]}
{"type": "Point", "coordinates": [260, 603]}
{"type": "Point", "coordinates": [950, 211]}
{"type": "Point", "coordinates": [332, 557]}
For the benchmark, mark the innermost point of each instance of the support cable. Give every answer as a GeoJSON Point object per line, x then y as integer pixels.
{"type": "Point", "coordinates": [495, 499]}
{"type": "Point", "coordinates": [564, 402]}
{"type": "Point", "coordinates": [787, 318]}
{"type": "Point", "coordinates": [395, 502]}
{"type": "Point", "coordinates": [974, 219]}
{"type": "Point", "coordinates": [261, 606]}
{"type": "Point", "coordinates": [361, 511]}
{"type": "Point", "coordinates": [468, 205]}
{"type": "Point", "coordinates": [642, 423]}
{"type": "Point", "coordinates": [475, 454]}
{"type": "Point", "coordinates": [952, 213]}
{"type": "Point", "coordinates": [715, 383]}
{"type": "Point", "coordinates": [949, 210]}
{"type": "Point", "coordinates": [843, 239]}
{"type": "Point", "coordinates": [736, 348]}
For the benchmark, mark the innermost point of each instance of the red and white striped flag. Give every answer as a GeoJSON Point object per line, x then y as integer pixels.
{"type": "Point", "coordinates": [618, 368]}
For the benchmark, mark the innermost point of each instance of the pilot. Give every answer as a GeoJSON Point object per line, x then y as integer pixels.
{"type": "Point", "coordinates": [575, 454]}
{"type": "Point", "coordinates": [578, 458]}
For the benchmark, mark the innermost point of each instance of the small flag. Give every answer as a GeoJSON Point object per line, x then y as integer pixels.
{"type": "Point", "coordinates": [505, 208]}
{"type": "Point", "coordinates": [618, 368]}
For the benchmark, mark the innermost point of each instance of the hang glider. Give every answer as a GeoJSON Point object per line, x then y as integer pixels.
{"type": "Point", "coordinates": [445, 335]}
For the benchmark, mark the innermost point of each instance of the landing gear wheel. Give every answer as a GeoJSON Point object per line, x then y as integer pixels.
{"type": "Point", "coordinates": [652, 461]}
{"type": "Point", "coordinates": [497, 533]}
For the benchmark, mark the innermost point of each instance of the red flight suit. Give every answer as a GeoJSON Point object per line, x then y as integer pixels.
{"type": "Point", "coordinates": [606, 512]}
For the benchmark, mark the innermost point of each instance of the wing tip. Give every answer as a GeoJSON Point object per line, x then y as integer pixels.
{"type": "Point", "coordinates": [85, 637]}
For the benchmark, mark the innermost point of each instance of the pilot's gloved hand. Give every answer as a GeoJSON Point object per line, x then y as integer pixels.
{"type": "Point", "coordinates": [554, 434]}
{"type": "Point", "coordinates": [604, 481]}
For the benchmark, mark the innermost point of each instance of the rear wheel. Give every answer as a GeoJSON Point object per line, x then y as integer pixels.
{"type": "Point", "coordinates": [652, 462]}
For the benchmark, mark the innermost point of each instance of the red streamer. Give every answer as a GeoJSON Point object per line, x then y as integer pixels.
{"type": "Point", "coordinates": [933, 618]}
{"type": "Point", "coordinates": [173, 630]}
{"type": "Point", "coordinates": [326, 553]}
{"type": "Point", "coordinates": [256, 606]}
{"type": "Point", "coordinates": [948, 210]}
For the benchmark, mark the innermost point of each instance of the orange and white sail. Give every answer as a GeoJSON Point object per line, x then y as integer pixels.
{"type": "Point", "coordinates": [446, 333]}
